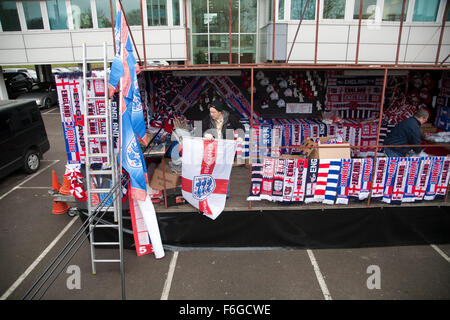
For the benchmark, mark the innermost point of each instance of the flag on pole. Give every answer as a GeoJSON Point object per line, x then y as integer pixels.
{"type": "Point", "coordinates": [123, 71]}
{"type": "Point", "coordinates": [206, 168]}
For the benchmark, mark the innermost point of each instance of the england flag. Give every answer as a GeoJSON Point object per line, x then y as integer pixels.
{"type": "Point", "coordinates": [206, 168]}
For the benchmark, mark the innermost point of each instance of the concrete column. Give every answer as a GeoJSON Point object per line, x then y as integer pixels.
{"type": "Point", "coordinates": [44, 73]}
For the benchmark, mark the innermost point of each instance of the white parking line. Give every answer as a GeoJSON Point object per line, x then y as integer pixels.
{"type": "Point", "coordinates": [36, 262]}
{"type": "Point", "coordinates": [168, 283]}
{"type": "Point", "coordinates": [319, 276]}
{"type": "Point", "coordinates": [442, 253]}
{"type": "Point", "coordinates": [28, 179]}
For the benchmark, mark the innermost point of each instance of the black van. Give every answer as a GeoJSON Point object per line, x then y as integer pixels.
{"type": "Point", "coordinates": [23, 139]}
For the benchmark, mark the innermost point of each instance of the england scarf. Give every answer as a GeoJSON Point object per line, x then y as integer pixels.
{"type": "Point", "coordinates": [422, 179]}
{"type": "Point", "coordinates": [256, 182]}
{"type": "Point", "coordinates": [332, 181]}
{"type": "Point", "coordinates": [390, 178]}
{"type": "Point", "coordinates": [311, 179]}
{"type": "Point", "coordinates": [268, 168]}
{"type": "Point", "coordinates": [366, 179]}
{"type": "Point", "coordinates": [411, 180]}
{"type": "Point", "coordinates": [206, 168]}
{"type": "Point", "coordinates": [289, 178]}
{"type": "Point", "coordinates": [355, 180]}
{"type": "Point", "coordinates": [400, 181]}
{"type": "Point", "coordinates": [301, 169]}
{"type": "Point", "coordinates": [380, 177]}
{"type": "Point", "coordinates": [344, 181]}
{"type": "Point", "coordinates": [278, 180]}
{"type": "Point", "coordinates": [430, 194]}
{"type": "Point", "coordinates": [322, 176]}
{"type": "Point", "coordinates": [441, 189]}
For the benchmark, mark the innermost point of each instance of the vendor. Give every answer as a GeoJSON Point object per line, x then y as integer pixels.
{"type": "Point", "coordinates": [404, 133]}
{"type": "Point", "coordinates": [220, 123]}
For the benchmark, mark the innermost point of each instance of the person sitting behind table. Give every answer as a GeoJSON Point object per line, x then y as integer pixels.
{"type": "Point", "coordinates": [406, 132]}
{"type": "Point", "coordinates": [220, 123]}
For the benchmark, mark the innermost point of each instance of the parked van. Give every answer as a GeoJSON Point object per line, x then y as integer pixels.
{"type": "Point", "coordinates": [23, 139]}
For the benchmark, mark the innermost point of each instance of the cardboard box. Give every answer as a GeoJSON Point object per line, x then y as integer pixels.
{"type": "Point", "coordinates": [292, 156]}
{"type": "Point", "coordinates": [341, 152]}
{"type": "Point", "coordinates": [172, 180]}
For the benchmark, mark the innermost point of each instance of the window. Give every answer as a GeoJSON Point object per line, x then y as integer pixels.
{"type": "Point", "coordinates": [297, 7]}
{"type": "Point", "coordinates": [281, 10]}
{"type": "Point", "coordinates": [157, 12]}
{"type": "Point", "coordinates": [199, 16]}
{"type": "Point", "coordinates": [132, 10]}
{"type": "Point", "coordinates": [426, 10]}
{"type": "Point", "coordinates": [248, 48]}
{"type": "Point", "coordinates": [334, 9]}
{"type": "Point", "coordinates": [81, 13]}
{"type": "Point", "coordinates": [57, 14]}
{"type": "Point", "coordinates": [176, 12]}
{"type": "Point", "coordinates": [103, 13]}
{"type": "Point", "coordinates": [368, 10]}
{"type": "Point", "coordinates": [33, 15]}
{"type": "Point", "coordinates": [8, 16]}
{"type": "Point", "coordinates": [392, 10]}
{"type": "Point", "coordinates": [200, 45]}
{"type": "Point", "coordinates": [248, 16]}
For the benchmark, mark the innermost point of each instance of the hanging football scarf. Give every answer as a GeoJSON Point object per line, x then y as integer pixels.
{"type": "Point", "coordinates": [267, 180]}
{"type": "Point", "coordinates": [276, 141]}
{"type": "Point", "coordinates": [355, 178]}
{"type": "Point", "coordinates": [422, 179]}
{"type": "Point", "coordinates": [311, 179]}
{"type": "Point", "coordinates": [289, 179]}
{"type": "Point", "coordinates": [321, 184]}
{"type": "Point", "coordinates": [266, 140]}
{"type": "Point", "coordinates": [296, 137]}
{"type": "Point", "coordinates": [380, 177]}
{"type": "Point", "coordinates": [390, 178]}
{"type": "Point", "coordinates": [300, 180]}
{"type": "Point", "coordinates": [255, 132]}
{"type": "Point", "coordinates": [441, 189]}
{"type": "Point", "coordinates": [332, 181]}
{"type": "Point", "coordinates": [366, 178]}
{"type": "Point", "coordinates": [256, 181]}
{"type": "Point", "coordinates": [399, 181]}
{"type": "Point", "coordinates": [278, 180]}
{"type": "Point", "coordinates": [344, 181]}
{"type": "Point", "coordinates": [430, 194]}
{"type": "Point", "coordinates": [411, 180]}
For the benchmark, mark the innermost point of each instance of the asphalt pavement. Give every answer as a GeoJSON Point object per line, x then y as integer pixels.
{"type": "Point", "coordinates": [32, 236]}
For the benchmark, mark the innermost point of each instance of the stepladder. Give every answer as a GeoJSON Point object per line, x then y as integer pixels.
{"type": "Point", "coordinates": [103, 174]}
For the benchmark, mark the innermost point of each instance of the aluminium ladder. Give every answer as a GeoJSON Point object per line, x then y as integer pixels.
{"type": "Point", "coordinates": [110, 169]}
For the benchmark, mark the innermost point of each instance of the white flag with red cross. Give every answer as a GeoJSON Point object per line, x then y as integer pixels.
{"type": "Point", "coordinates": [206, 168]}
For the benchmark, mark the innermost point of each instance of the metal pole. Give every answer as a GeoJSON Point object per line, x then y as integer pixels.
{"type": "Point", "coordinates": [143, 36]}
{"type": "Point", "coordinates": [400, 31]}
{"type": "Point", "coordinates": [112, 25]}
{"type": "Point", "coordinates": [380, 118]}
{"type": "Point", "coordinates": [444, 18]}
{"type": "Point", "coordinates": [298, 28]}
{"type": "Point", "coordinates": [186, 32]}
{"type": "Point", "coordinates": [273, 31]}
{"type": "Point", "coordinates": [359, 31]}
{"type": "Point", "coordinates": [129, 30]}
{"type": "Point", "coordinates": [229, 32]}
{"type": "Point", "coordinates": [251, 126]}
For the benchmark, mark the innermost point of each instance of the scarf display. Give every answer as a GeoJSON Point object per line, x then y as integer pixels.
{"type": "Point", "coordinates": [311, 180]}
{"type": "Point", "coordinates": [411, 180]}
{"type": "Point", "coordinates": [256, 182]}
{"type": "Point", "coordinates": [355, 178]}
{"type": "Point", "coordinates": [422, 179]}
{"type": "Point", "coordinates": [278, 180]}
{"type": "Point", "coordinates": [430, 193]}
{"type": "Point", "coordinates": [289, 179]}
{"type": "Point", "coordinates": [441, 188]}
{"type": "Point", "coordinates": [390, 177]}
{"type": "Point", "coordinates": [380, 177]}
{"type": "Point", "coordinates": [344, 181]}
{"type": "Point", "coordinates": [399, 181]}
{"type": "Point", "coordinates": [267, 179]}
{"type": "Point", "coordinates": [321, 184]}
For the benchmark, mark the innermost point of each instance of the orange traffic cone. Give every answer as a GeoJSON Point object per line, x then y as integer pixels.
{"type": "Point", "coordinates": [65, 189]}
{"type": "Point", "coordinates": [59, 207]}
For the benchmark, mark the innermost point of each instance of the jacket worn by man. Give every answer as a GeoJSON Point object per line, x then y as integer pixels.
{"type": "Point", "coordinates": [406, 132]}
{"type": "Point", "coordinates": [230, 123]}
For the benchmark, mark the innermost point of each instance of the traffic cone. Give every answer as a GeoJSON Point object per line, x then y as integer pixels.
{"type": "Point", "coordinates": [59, 207]}
{"type": "Point", "coordinates": [65, 189]}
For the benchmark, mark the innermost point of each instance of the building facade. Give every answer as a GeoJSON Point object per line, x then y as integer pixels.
{"type": "Point", "coordinates": [52, 31]}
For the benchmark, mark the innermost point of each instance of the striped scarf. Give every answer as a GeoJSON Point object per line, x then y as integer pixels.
{"type": "Point", "coordinates": [332, 181]}
{"type": "Point", "coordinates": [443, 182]}
{"type": "Point", "coordinates": [278, 180]}
{"type": "Point", "coordinates": [422, 179]}
{"type": "Point", "coordinates": [411, 180]}
{"type": "Point", "coordinates": [256, 181]}
{"type": "Point", "coordinates": [430, 194]}
{"type": "Point", "coordinates": [344, 181]}
{"type": "Point", "coordinates": [380, 177]}
{"type": "Point", "coordinates": [390, 178]}
{"type": "Point", "coordinates": [399, 181]}
{"type": "Point", "coordinates": [322, 175]}
{"type": "Point", "coordinates": [289, 177]}
{"type": "Point", "coordinates": [355, 180]}
{"type": "Point", "coordinates": [300, 180]}
{"type": "Point", "coordinates": [366, 178]}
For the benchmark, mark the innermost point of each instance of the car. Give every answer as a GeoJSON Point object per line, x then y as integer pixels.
{"type": "Point", "coordinates": [29, 72]}
{"type": "Point", "coordinates": [23, 138]}
{"type": "Point", "coordinates": [60, 70]}
{"type": "Point", "coordinates": [45, 97]}
{"type": "Point", "coordinates": [157, 63]}
{"type": "Point", "coordinates": [16, 82]}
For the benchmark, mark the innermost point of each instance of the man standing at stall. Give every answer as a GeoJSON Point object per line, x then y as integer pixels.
{"type": "Point", "coordinates": [407, 132]}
